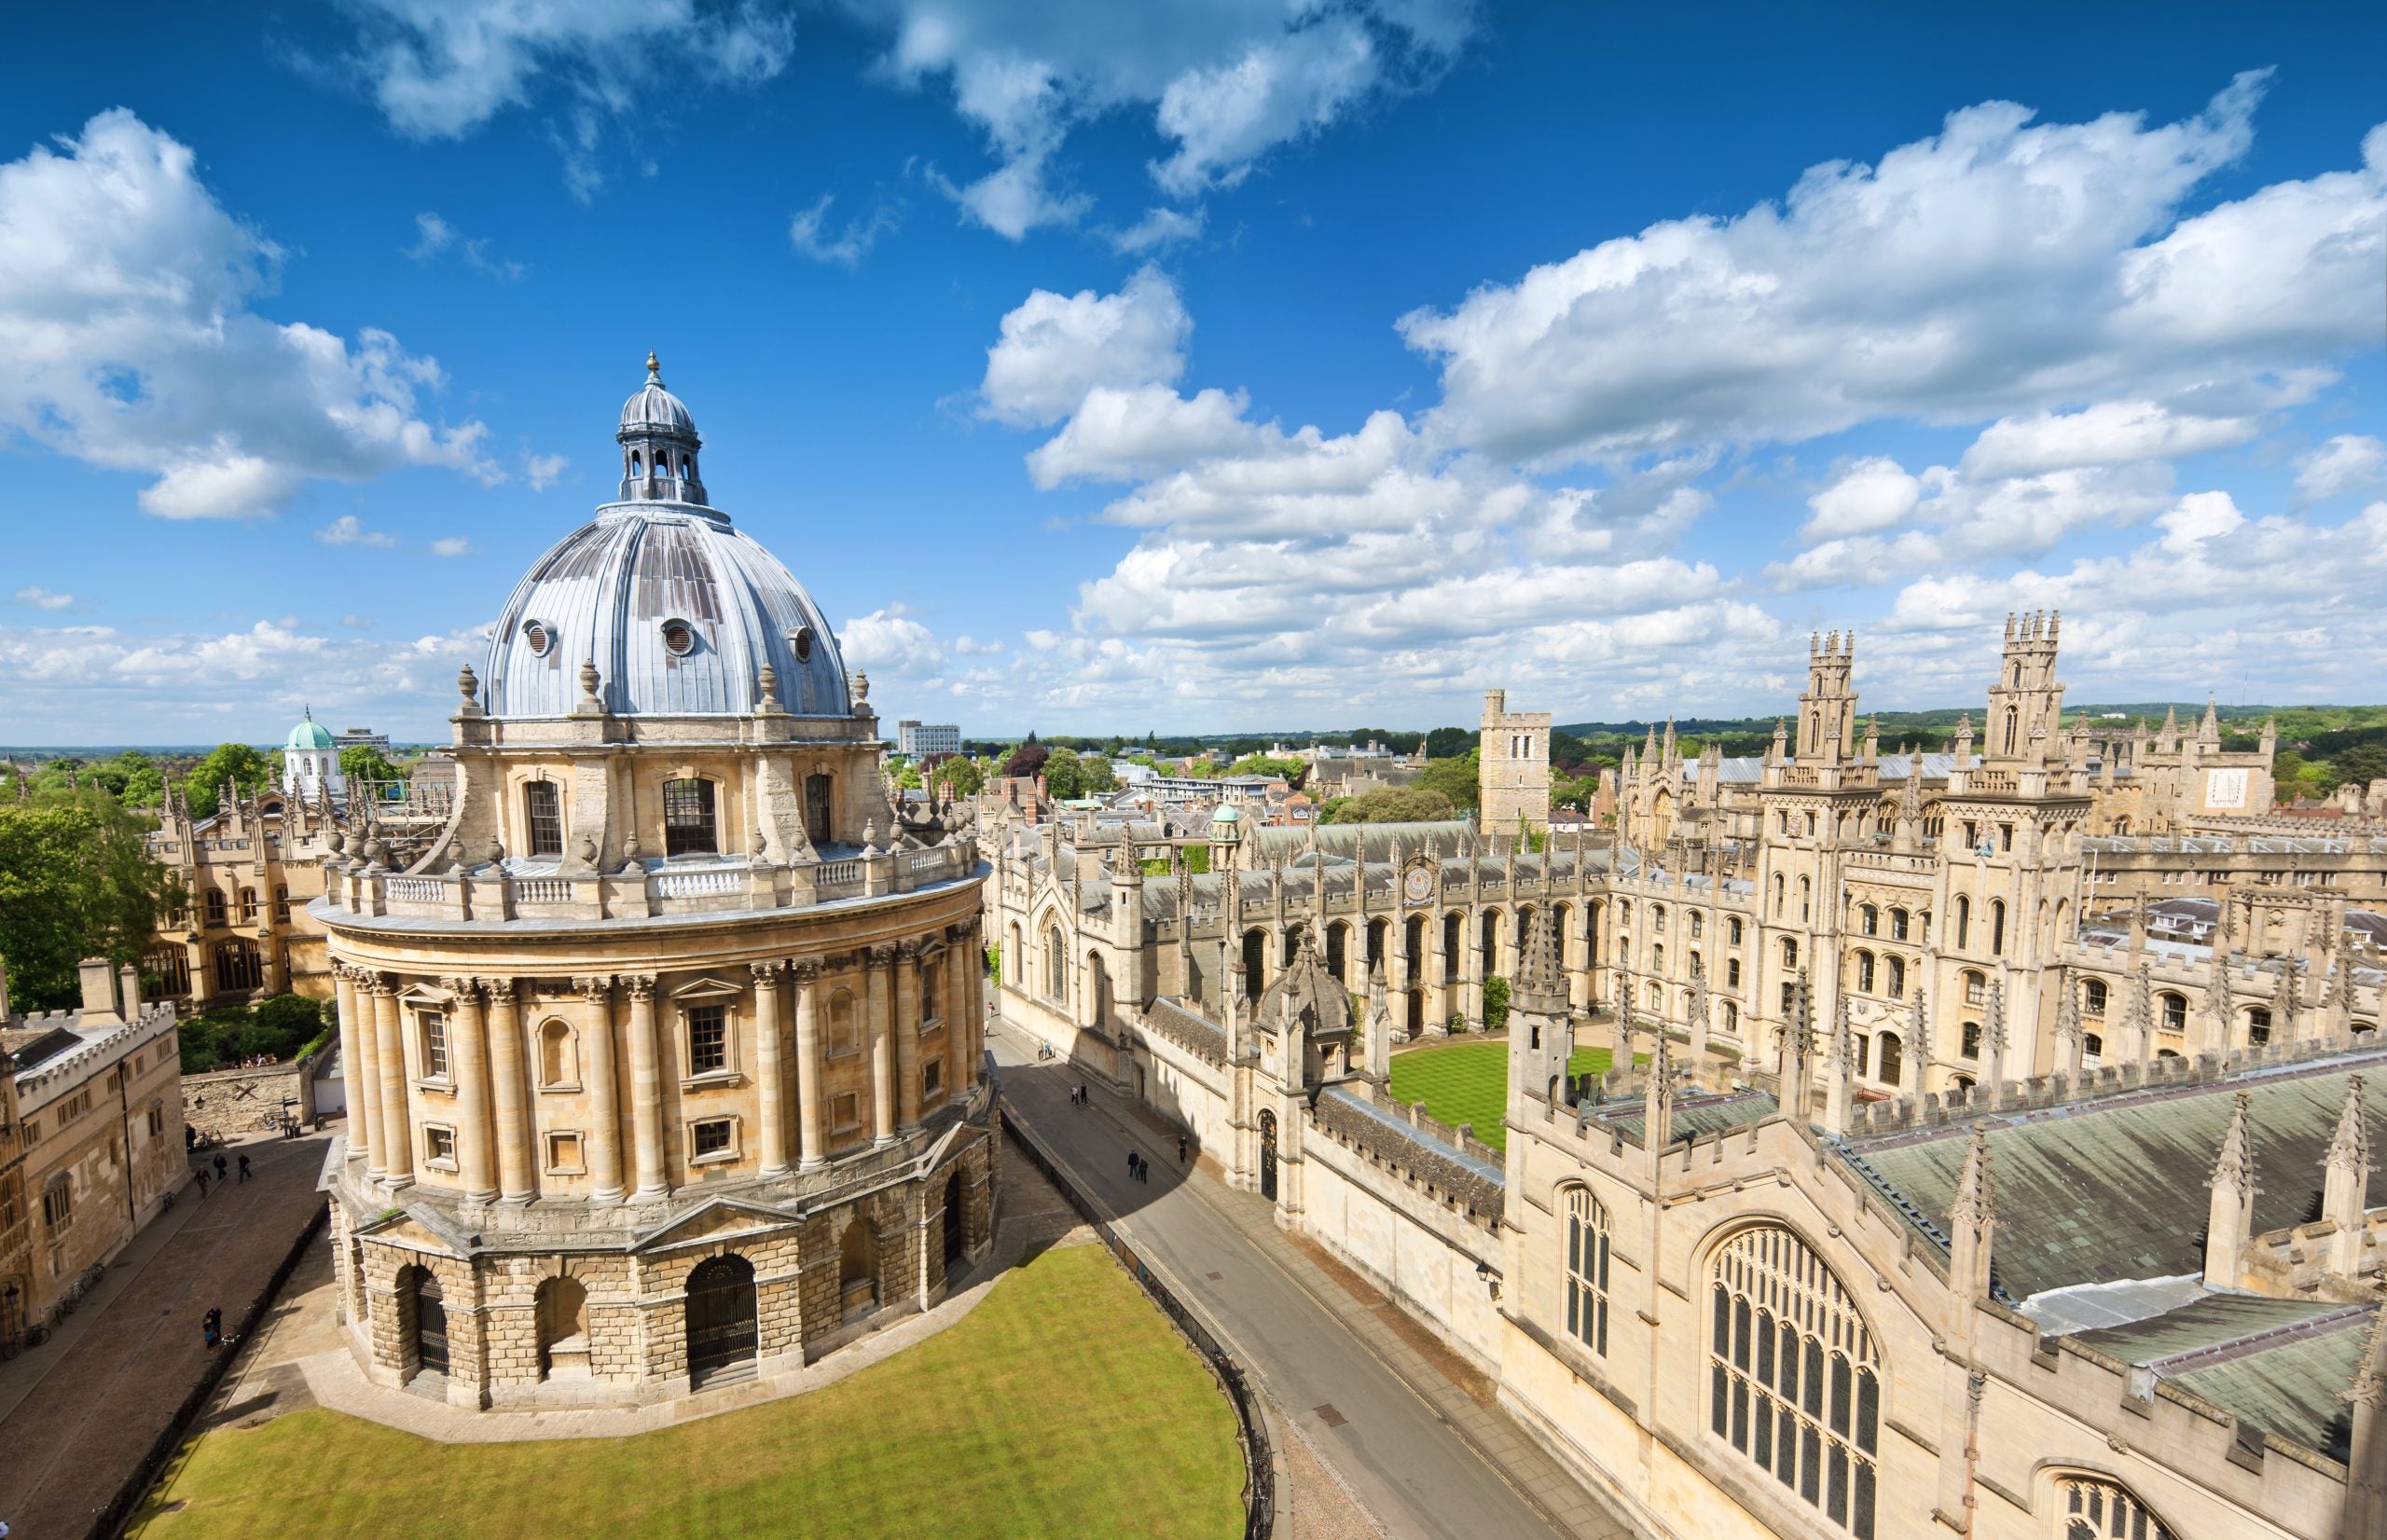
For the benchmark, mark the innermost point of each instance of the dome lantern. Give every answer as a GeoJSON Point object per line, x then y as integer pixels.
{"type": "Point", "coordinates": [659, 444]}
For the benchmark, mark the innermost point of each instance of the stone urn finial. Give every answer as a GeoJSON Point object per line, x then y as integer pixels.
{"type": "Point", "coordinates": [468, 684]}
{"type": "Point", "coordinates": [870, 837]}
{"type": "Point", "coordinates": [590, 677]}
{"type": "Point", "coordinates": [862, 688]}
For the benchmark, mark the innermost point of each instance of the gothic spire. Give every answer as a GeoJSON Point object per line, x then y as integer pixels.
{"type": "Point", "coordinates": [1975, 1206]}
{"type": "Point", "coordinates": [2349, 1146]}
{"type": "Point", "coordinates": [2235, 1167]}
{"type": "Point", "coordinates": [1540, 985]}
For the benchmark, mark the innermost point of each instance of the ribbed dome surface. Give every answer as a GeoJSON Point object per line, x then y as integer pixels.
{"type": "Point", "coordinates": [612, 591]}
{"type": "Point", "coordinates": [657, 410]}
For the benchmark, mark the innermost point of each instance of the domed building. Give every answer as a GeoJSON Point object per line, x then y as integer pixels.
{"type": "Point", "coordinates": [311, 761]}
{"type": "Point", "coordinates": [663, 1058]}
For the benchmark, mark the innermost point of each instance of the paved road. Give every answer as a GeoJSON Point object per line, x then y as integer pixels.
{"type": "Point", "coordinates": [77, 1425]}
{"type": "Point", "coordinates": [1400, 1451]}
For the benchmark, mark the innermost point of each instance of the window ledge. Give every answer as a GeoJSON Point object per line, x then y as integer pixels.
{"type": "Point", "coordinates": [711, 1080]}
{"type": "Point", "coordinates": [718, 1157]}
{"type": "Point", "coordinates": [560, 1089]}
{"type": "Point", "coordinates": [442, 1084]}
{"type": "Point", "coordinates": [433, 1165]}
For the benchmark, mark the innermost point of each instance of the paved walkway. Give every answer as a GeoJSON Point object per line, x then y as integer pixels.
{"type": "Point", "coordinates": [1389, 1409]}
{"type": "Point", "coordinates": [79, 1414]}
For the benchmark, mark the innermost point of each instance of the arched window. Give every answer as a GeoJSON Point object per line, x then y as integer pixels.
{"type": "Point", "coordinates": [1865, 972]}
{"type": "Point", "coordinates": [2092, 1049]}
{"type": "Point", "coordinates": [1587, 1270]}
{"type": "Point", "coordinates": [857, 1268]}
{"type": "Point", "coordinates": [282, 905]}
{"type": "Point", "coordinates": [1732, 930]}
{"type": "Point", "coordinates": [1731, 1015]}
{"type": "Point", "coordinates": [2093, 998]}
{"type": "Point", "coordinates": [1657, 958]}
{"type": "Point", "coordinates": [1057, 964]}
{"type": "Point", "coordinates": [1698, 967]}
{"type": "Point", "coordinates": [2258, 1026]}
{"type": "Point", "coordinates": [1658, 918]}
{"type": "Point", "coordinates": [1778, 895]}
{"type": "Point", "coordinates": [1794, 1382]}
{"type": "Point", "coordinates": [1898, 978]}
{"type": "Point", "coordinates": [1868, 919]}
{"type": "Point", "coordinates": [1655, 996]}
{"type": "Point", "coordinates": [1964, 921]}
{"type": "Point", "coordinates": [1732, 973]}
{"type": "Point", "coordinates": [1255, 962]}
{"type": "Point", "coordinates": [1892, 1056]}
{"type": "Point", "coordinates": [248, 905]}
{"type": "Point", "coordinates": [1976, 988]}
{"type": "Point", "coordinates": [543, 818]}
{"type": "Point", "coordinates": [1806, 898]}
{"type": "Point", "coordinates": [1698, 925]}
{"type": "Point", "coordinates": [2175, 1012]}
{"type": "Point", "coordinates": [688, 827]}
{"type": "Point", "coordinates": [1997, 927]}
{"type": "Point", "coordinates": [1790, 951]}
{"type": "Point", "coordinates": [1489, 941]}
{"type": "Point", "coordinates": [2094, 1508]}
{"type": "Point", "coordinates": [558, 1057]}
{"type": "Point", "coordinates": [1898, 922]}
{"type": "Point", "coordinates": [1338, 940]}
{"type": "Point", "coordinates": [1972, 1048]}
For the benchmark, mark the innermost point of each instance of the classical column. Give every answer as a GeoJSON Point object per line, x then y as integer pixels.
{"type": "Point", "coordinates": [973, 936]}
{"type": "Point", "coordinates": [908, 1035]}
{"type": "Point", "coordinates": [958, 1019]}
{"type": "Point", "coordinates": [604, 1088]}
{"type": "Point", "coordinates": [807, 1063]}
{"type": "Point", "coordinates": [517, 1178]}
{"type": "Point", "coordinates": [878, 1012]}
{"type": "Point", "coordinates": [646, 1087]}
{"type": "Point", "coordinates": [767, 1069]}
{"type": "Point", "coordinates": [395, 1144]}
{"type": "Point", "coordinates": [468, 1070]}
{"type": "Point", "coordinates": [356, 1069]}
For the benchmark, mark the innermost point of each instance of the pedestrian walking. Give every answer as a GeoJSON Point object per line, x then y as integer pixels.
{"type": "Point", "coordinates": [202, 1181]}
{"type": "Point", "coordinates": [244, 1168]}
{"type": "Point", "coordinates": [1132, 1162]}
{"type": "Point", "coordinates": [222, 1166]}
{"type": "Point", "coordinates": [1181, 1150]}
{"type": "Point", "coordinates": [1143, 1169]}
{"type": "Point", "coordinates": [209, 1332]}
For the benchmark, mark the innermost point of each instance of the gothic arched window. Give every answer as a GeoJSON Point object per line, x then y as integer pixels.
{"type": "Point", "coordinates": [1794, 1382]}
{"type": "Point", "coordinates": [1964, 921]}
{"type": "Point", "coordinates": [1997, 927]}
{"type": "Point", "coordinates": [1056, 966]}
{"type": "Point", "coordinates": [2093, 998]}
{"type": "Point", "coordinates": [2094, 1508]}
{"type": "Point", "coordinates": [1587, 1270]}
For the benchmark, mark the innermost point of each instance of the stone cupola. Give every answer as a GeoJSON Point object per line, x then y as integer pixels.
{"type": "Point", "coordinates": [659, 444]}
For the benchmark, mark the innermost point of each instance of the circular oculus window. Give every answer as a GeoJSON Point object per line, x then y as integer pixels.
{"type": "Point", "coordinates": [678, 640]}
{"type": "Point", "coordinates": [802, 640]}
{"type": "Point", "coordinates": [541, 640]}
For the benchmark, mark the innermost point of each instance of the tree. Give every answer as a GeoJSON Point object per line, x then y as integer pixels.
{"type": "Point", "coordinates": [1098, 775]}
{"type": "Point", "coordinates": [1063, 775]}
{"type": "Point", "coordinates": [363, 762]}
{"type": "Point", "coordinates": [239, 764]}
{"type": "Point", "coordinates": [76, 882]}
{"type": "Point", "coordinates": [908, 776]}
{"type": "Point", "coordinates": [1291, 771]}
{"type": "Point", "coordinates": [1496, 1003]}
{"type": "Point", "coordinates": [141, 784]}
{"type": "Point", "coordinates": [2361, 764]}
{"type": "Point", "coordinates": [1391, 805]}
{"type": "Point", "coordinates": [962, 775]}
{"type": "Point", "coordinates": [1455, 778]}
{"type": "Point", "coordinates": [1027, 760]}
{"type": "Point", "coordinates": [1449, 743]}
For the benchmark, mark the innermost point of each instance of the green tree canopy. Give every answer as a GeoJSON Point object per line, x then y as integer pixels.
{"type": "Point", "coordinates": [1028, 759]}
{"type": "Point", "coordinates": [1392, 805]}
{"type": "Point", "coordinates": [962, 775]}
{"type": "Point", "coordinates": [1455, 778]}
{"type": "Point", "coordinates": [1449, 743]}
{"type": "Point", "coordinates": [1262, 764]}
{"type": "Point", "coordinates": [1065, 774]}
{"type": "Point", "coordinates": [76, 882]}
{"type": "Point", "coordinates": [240, 764]}
{"type": "Point", "coordinates": [1099, 778]}
{"type": "Point", "coordinates": [363, 762]}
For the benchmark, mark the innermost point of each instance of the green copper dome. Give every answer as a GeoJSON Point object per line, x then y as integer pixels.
{"type": "Point", "coordinates": [309, 733]}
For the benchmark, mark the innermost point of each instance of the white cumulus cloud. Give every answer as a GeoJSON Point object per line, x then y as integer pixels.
{"type": "Point", "coordinates": [1055, 348]}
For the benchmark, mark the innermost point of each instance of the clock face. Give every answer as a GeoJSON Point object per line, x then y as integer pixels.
{"type": "Point", "coordinates": [1419, 885]}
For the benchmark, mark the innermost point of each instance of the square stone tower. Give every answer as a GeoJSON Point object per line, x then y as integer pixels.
{"type": "Point", "coordinates": [1513, 767]}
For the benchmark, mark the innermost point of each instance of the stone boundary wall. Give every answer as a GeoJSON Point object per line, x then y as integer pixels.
{"type": "Point", "coordinates": [231, 1104]}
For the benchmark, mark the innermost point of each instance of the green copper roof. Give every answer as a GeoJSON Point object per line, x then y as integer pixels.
{"type": "Point", "coordinates": [2094, 1191]}
{"type": "Point", "coordinates": [2279, 1366]}
{"type": "Point", "coordinates": [309, 733]}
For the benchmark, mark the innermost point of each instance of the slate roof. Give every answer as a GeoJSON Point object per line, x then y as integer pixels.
{"type": "Point", "coordinates": [2117, 1187]}
{"type": "Point", "coordinates": [2279, 1366]}
{"type": "Point", "coordinates": [1697, 1115]}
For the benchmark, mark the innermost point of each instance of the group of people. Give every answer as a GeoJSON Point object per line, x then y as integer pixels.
{"type": "Point", "coordinates": [222, 1169]}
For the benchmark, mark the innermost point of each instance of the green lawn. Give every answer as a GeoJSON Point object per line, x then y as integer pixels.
{"type": "Point", "coordinates": [1469, 1082]}
{"type": "Point", "coordinates": [1063, 1405]}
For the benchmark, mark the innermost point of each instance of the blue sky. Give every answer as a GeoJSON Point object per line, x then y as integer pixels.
{"type": "Point", "coordinates": [1211, 366]}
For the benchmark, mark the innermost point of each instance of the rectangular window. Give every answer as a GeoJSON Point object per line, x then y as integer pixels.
{"type": "Point", "coordinates": [713, 1137]}
{"type": "Point", "coordinates": [542, 804]}
{"type": "Point", "coordinates": [845, 1111]}
{"type": "Point", "coordinates": [439, 1145]}
{"type": "Point", "coordinates": [157, 1122]}
{"type": "Point", "coordinates": [688, 818]}
{"type": "Point", "coordinates": [58, 1205]}
{"type": "Point", "coordinates": [435, 1045]}
{"type": "Point", "coordinates": [708, 1038]}
{"type": "Point", "coordinates": [564, 1155]}
{"type": "Point", "coordinates": [931, 1081]}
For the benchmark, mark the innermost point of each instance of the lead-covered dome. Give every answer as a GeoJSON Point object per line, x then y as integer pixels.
{"type": "Point", "coordinates": [679, 611]}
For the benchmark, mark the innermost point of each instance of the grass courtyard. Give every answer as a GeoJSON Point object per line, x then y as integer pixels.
{"type": "Point", "coordinates": [1469, 1082]}
{"type": "Point", "coordinates": [1064, 1404]}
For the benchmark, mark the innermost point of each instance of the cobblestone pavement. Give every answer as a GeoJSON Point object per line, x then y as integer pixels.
{"type": "Point", "coordinates": [298, 1360]}
{"type": "Point", "coordinates": [1407, 1439]}
{"type": "Point", "coordinates": [77, 1431]}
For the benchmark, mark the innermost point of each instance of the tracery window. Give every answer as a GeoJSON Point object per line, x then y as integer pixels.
{"type": "Point", "coordinates": [1793, 1378]}
{"type": "Point", "coordinates": [1587, 1231]}
{"type": "Point", "coordinates": [2094, 1509]}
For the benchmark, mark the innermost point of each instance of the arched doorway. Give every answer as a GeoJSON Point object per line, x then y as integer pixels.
{"type": "Point", "coordinates": [954, 1238]}
{"type": "Point", "coordinates": [857, 1271]}
{"type": "Point", "coordinates": [1268, 1156]}
{"type": "Point", "coordinates": [420, 1289]}
{"type": "Point", "coordinates": [1416, 1012]}
{"type": "Point", "coordinates": [721, 1318]}
{"type": "Point", "coordinates": [563, 1327]}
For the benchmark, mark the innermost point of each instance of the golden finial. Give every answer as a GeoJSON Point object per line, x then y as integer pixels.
{"type": "Point", "coordinates": [652, 366]}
